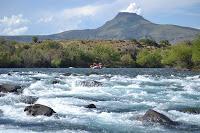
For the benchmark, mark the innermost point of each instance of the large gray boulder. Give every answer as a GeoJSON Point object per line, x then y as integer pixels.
{"type": "Point", "coordinates": [38, 109]}
{"type": "Point", "coordinates": [156, 117]}
{"type": "Point", "coordinates": [7, 88]}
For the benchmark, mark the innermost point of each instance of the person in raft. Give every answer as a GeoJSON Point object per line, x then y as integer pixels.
{"type": "Point", "coordinates": [96, 66]}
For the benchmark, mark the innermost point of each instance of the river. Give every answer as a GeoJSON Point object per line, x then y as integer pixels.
{"type": "Point", "coordinates": [124, 95]}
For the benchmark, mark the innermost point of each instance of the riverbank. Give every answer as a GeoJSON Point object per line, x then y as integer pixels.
{"type": "Point", "coordinates": [143, 53]}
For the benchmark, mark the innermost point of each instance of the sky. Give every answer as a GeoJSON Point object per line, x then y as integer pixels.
{"type": "Point", "coordinates": [43, 17]}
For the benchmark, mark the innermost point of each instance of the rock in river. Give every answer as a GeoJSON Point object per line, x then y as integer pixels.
{"type": "Point", "coordinates": [92, 83]}
{"type": "Point", "coordinates": [90, 106]}
{"type": "Point", "coordinates": [156, 117]}
{"type": "Point", "coordinates": [2, 95]}
{"type": "Point", "coordinates": [92, 73]}
{"type": "Point", "coordinates": [7, 88]}
{"type": "Point", "coordinates": [38, 109]}
{"type": "Point", "coordinates": [9, 74]}
{"type": "Point", "coordinates": [194, 110]}
{"type": "Point", "coordinates": [28, 99]}
{"type": "Point", "coordinates": [55, 82]}
{"type": "Point", "coordinates": [1, 112]}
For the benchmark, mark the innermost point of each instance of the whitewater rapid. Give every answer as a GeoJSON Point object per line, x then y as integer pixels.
{"type": "Point", "coordinates": [124, 95]}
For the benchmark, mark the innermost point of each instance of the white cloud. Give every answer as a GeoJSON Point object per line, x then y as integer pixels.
{"type": "Point", "coordinates": [13, 25]}
{"type": "Point", "coordinates": [46, 19]}
{"type": "Point", "coordinates": [13, 20]}
{"type": "Point", "coordinates": [152, 7]}
{"type": "Point", "coordinates": [71, 18]}
{"type": "Point", "coordinates": [133, 8]}
{"type": "Point", "coordinates": [81, 11]}
{"type": "Point", "coordinates": [15, 31]}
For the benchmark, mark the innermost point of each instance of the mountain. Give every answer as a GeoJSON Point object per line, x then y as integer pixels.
{"type": "Point", "coordinates": [123, 27]}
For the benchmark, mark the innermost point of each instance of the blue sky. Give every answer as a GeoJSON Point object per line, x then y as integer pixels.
{"type": "Point", "coordinates": [22, 17]}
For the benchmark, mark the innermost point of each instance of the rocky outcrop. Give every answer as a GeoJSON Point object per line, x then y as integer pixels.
{"type": "Point", "coordinates": [92, 83]}
{"type": "Point", "coordinates": [7, 88]}
{"type": "Point", "coordinates": [90, 106]}
{"type": "Point", "coordinates": [38, 109]}
{"type": "Point", "coordinates": [156, 117]}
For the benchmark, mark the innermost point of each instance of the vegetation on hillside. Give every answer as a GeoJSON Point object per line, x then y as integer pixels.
{"type": "Point", "coordinates": [74, 53]}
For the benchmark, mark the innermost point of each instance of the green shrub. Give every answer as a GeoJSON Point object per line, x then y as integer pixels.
{"type": "Point", "coordinates": [147, 58]}
{"type": "Point", "coordinates": [196, 52]}
{"type": "Point", "coordinates": [164, 43]}
{"type": "Point", "coordinates": [46, 45]}
{"type": "Point", "coordinates": [127, 61]}
{"type": "Point", "coordinates": [56, 62]}
{"type": "Point", "coordinates": [178, 56]}
{"type": "Point", "coordinates": [134, 41]}
{"type": "Point", "coordinates": [148, 42]}
{"type": "Point", "coordinates": [4, 59]}
{"type": "Point", "coordinates": [34, 39]}
{"type": "Point", "coordinates": [105, 54]}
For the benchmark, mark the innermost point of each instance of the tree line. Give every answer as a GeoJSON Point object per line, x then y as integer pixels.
{"type": "Point", "coordinates": [134, 53]}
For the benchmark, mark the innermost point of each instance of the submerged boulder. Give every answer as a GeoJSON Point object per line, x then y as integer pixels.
{"type": "Point", "coordinates": [38, 109]}
{"type": "Point", "coordinates": [194, 110]}
{"type": "Point", "coordinates": [90, 106]}
{"type": "Point", "coordinates": [28, 99]}
{"type": "Point", "coordinates": [55, 82]}
{"type": "Point", "coordinates": [67, 74]}
{"type": "Point", "coordinates": [36, 78]}
{"type": "Point", "coordinates": [7, 88]}
{"type": "Point", "coordinates": [92, 83]}
{"type": "Point", "coordinates": [70, 74]}
{"type": "Point", "coordinates": [2, 95]}
{"type": "Point", "coordinates": [92, 73]}
{"type": "Point", "coordinates": [1, 112]}
{"type": "Point", "coordinates": [156, 117]}
{"type": "Point", "coordinates": [9, 74]}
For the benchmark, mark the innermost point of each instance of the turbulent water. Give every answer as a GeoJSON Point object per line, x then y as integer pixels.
{"type": "Point", "coordinates": [125, 94]}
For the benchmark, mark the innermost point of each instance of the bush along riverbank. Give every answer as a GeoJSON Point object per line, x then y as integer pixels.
{"type": "Point", "coordinates": [82, 53]}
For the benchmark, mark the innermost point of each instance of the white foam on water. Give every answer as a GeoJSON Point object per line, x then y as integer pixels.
{"type": "Point", "coordinates": [136, 85]}
{"type": "Point", "coordinates": [40, 88]}
{"type": "Point", "coordinates": [11, 129]}
{"type": "Point", "coordinates": [186, 117]}
{"type": "Point", "coordinates": [120, 99]}
{"type": "Point", "coordinates": [41, 75]}
{"type": "Point", "coordinates": [194, 78]}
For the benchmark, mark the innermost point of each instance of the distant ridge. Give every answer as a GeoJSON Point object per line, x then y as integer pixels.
{"type": "Point", "coordinates": [124, 26]}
